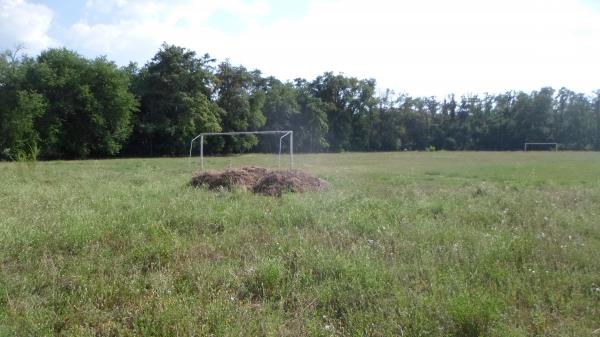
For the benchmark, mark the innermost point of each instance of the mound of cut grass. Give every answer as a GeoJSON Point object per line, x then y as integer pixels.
{"type": "Point", "coordinates": [259, 180]}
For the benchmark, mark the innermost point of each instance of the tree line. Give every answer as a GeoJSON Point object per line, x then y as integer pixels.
{"type": "Point", "coordinates": [63, 105]}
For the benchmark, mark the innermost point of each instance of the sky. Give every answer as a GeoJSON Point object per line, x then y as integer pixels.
{"type": "Point", "coordinates": [419, 47]}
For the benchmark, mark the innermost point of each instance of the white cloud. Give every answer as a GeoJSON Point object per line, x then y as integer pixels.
{"type": "Point", "coordinates": [436, 47]}
{"type": "Point", "coordinates": [424, 47]}
{"type": "Point", "coordinates": [139, 27]}
{"type": "Point", "coordinates": [22, 22]}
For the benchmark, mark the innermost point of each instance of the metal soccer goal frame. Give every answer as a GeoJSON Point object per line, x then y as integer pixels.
{"type": "Point", "coordinates": [283, 133]}
{"type": "Point", "coordinates": [537, 144]}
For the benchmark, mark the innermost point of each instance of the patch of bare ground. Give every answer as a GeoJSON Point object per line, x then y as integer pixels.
{"type": "Point", "coordinates": [260, 180]}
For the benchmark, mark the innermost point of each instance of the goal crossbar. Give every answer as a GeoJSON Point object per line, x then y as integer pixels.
{"type": "Point", "coordinates": [236, 133]}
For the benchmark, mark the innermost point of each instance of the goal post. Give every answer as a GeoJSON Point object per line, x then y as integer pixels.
{"type": "Point", "coordinates": [551, 145]}
{"type": "Point", "coordinates": [284, 133]}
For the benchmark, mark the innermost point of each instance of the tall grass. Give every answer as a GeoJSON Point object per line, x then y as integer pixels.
{"type": "Point", "coordinates": [413, 244]}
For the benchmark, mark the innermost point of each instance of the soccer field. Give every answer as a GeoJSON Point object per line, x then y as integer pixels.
{"type": "Point", "coordinates": [411, 243]}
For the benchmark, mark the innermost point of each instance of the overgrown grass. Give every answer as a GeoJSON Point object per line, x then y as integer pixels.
{"type": "Point", "coordinates": [413, 244]}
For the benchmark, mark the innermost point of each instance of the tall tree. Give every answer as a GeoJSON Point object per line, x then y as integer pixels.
{"type": "Point", "coordinates": [387, 131]}
{"type": "Point", "coordinates": [363, 108]}
{"type": "Point", "coordinates": [89, 106]}
{"type": "Point", "coordinates": [19, 109]}
{"type": "Point", "coordinates": [334, 91]}
{"type": "Point", "coordinates": [311, 124]}
{"type": "Point", "coordinates": [540, 118]}
{"type": "Point", "coordinates": [281, 110]}
{"type": "Point", "coordinates": [597, 120]}
{"type": "Point", "coordinates": [241, 97]}
{"type": "Point", "coordinates": [348, 101]}
{"type": "Point", "coordinates": [176, 90]}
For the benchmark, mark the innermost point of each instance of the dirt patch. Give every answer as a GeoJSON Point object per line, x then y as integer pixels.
{"type": "Point", "coordinates": [260, 180]}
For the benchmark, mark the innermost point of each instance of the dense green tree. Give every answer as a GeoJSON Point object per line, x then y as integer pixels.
{"type": "Point", "coordinates": [241, 96]}
{"type": "Point", "coordinates": [537, 119]}
{"type": "Point", "coordinates": [348, 101]}
{"type": "Point", "coordinates": [416, 124]}
{"type": "Point", "coordinates": [311, 124]}
{"type": "Point", "coordinates": [20, 140]}
{"type": "Point", "coordinates": [577, 120]}
{"type": "Point", "coordinates": [387, 131]}
{"type": "Point", "coordinates": [334, 92]}
{"type": "Point", "coordinates": [363, 108]}
{"type": "Point", "coordinates": [175, 89]}
{"type": "Point", "coordinates": [596, 118]}
{"type": "Point", "coordinates": [445, 121]}
{"type": "Point", "coordinates": [281, 105]}
{"type": "Point", "coordinates": [280, 109]}
{"type": "Point", "coordinates": [89, 106]}
{"type": "Point", "coordinates": [62, 105]}
{"type": "Point", "coordinates": [19, 109]}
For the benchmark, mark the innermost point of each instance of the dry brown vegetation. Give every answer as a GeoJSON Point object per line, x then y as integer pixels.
{"type": "Point", "coordinates": [259, 180]}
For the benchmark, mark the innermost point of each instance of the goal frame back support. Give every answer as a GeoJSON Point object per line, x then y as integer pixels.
{"type": "Point", "coordinates": [236, 133]}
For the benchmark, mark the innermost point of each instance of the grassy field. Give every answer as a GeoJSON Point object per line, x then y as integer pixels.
{"type": "Point", "coordinates": [409, 244]}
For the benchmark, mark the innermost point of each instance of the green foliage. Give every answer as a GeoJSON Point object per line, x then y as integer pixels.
{"type": "Point", "coordinates": [311, 123]}
{"type": "Point", "coordinates": [472, 315]}
{"type": "Point", "coordinates": [175, 93]}
{"type": "Point", "coordinates": [62, 105]}
{"type": "Point", "coordinates": [19, 109]}
{"type": "Point", "coordinates": [281, 111]}
{"type": "Point", "coordinates": [348, 101]}
{"type": "Point", "coordinates": [265, 281]}
{"type": "Point", "coordinates": [20, 138]}
{"type": "Point", "coordinates": [386, 130]}
{"type": "Point", "coordinates": [241, 99]}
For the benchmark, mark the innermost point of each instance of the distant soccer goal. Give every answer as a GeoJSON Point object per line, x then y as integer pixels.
{"type": "Point", "coordinates": [286, 133]}
{"type": "Point", "coordinates": [540, 146]}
